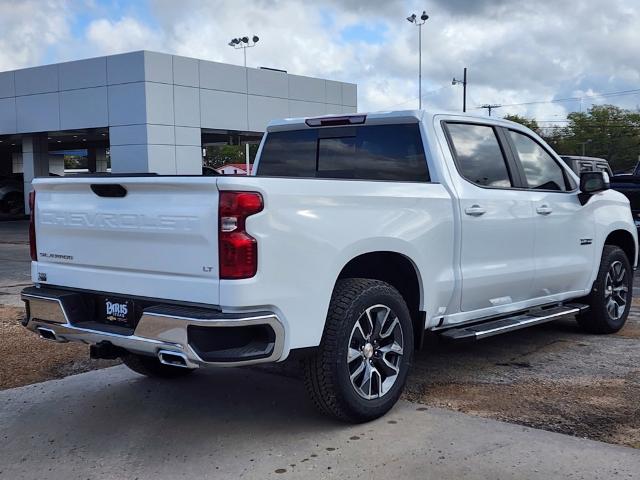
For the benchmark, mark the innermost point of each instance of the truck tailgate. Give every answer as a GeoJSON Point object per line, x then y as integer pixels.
{"type": "Point", "coordinates": [162, 230]}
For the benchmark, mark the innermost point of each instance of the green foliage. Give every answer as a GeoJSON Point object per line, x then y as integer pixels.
{"type": "Point", "coordinates": [604, 131]}
{"type": "Point", "coordinates": [527, 122]}
{"type": "Point", "coordinates": [218, 155]}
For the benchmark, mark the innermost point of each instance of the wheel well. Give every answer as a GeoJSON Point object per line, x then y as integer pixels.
{"type": "Point", "coordinates": [624, 240]}
{"type": "Point", "coordinates": [398, 271]}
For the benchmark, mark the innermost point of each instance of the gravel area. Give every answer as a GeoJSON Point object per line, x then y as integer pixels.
{"type": "Point", "coordinates": [552, 377]}
{"type": "Point", "coordinates": [26, 358]}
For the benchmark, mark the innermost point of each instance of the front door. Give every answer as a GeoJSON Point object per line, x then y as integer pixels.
{"type": "Point", "coordinates": [497, 226]}
{"type": "Point", "coordinates": [564, 229]}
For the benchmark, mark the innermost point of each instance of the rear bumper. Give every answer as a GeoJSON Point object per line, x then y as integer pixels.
{"type": "Point", "coordinates": [198, 336]}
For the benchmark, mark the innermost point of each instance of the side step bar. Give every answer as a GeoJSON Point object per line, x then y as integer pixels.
{"type": "Point", "coordinates": [490, 328]}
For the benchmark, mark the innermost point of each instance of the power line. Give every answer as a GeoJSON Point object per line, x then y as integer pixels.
{"type": "Point", "coordinates": [574, 99]}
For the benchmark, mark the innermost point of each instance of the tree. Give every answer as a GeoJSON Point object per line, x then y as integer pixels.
{"type": "Point", "coordinates": [604, 131]}
{"type": "Point", "coordinates": [527, 122]}
{"type": "Point", "coordinates": [218, 155]}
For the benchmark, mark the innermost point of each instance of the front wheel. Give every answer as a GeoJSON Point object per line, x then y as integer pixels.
{"type": "Point", "coordinates": [365, 353]}
{"type": "Point", "coordinates": [610, 299]}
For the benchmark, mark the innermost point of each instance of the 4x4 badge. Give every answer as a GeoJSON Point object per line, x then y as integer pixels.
{"type": "Point", "coordinates": [586, 241]}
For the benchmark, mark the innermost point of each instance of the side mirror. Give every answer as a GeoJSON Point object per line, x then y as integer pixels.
{"type": "Point", "coordinates": [591, 183]}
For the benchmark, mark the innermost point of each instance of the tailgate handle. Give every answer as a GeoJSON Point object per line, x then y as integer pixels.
{"type": "Point", "coordinates": [108, 190]}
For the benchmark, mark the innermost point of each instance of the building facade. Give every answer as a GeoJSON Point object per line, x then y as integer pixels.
{"type": "Point", "coordinates": [147, 111]}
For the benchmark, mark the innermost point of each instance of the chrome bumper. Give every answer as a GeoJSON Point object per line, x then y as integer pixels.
{"type": "Point", "coordinates": [161, 330]}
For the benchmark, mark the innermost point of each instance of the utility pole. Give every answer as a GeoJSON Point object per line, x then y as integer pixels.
{"type": "Point", "coordinates": [490, 107]}
{"type": "Point", "coordinates": [414, 19]}
{"type": "Point", "coordinates": [464, 89]}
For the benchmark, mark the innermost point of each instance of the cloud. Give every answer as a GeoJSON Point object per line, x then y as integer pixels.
{"type": "Point", "coordinates": [29, 28]}
{"type": "Point", "coordinates": [517, 51]}
{"type": "Point", "coordinates": [126, 34]}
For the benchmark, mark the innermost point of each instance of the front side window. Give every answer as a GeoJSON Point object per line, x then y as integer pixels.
{"type": "Point", "coordinates": [540, 169]}
{"type": "Point", "coordinates": [478, 155]}
{"type": "Point", "coordinates": [368, 152]}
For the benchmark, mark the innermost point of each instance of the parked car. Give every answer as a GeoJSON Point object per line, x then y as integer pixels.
{"type": "Point", "coordinates": [11, 195]}
{"type": "Point", "coordinates": [354, 235]}
{"type": "Point", "coordinates": [629, 185]}
{"type": "Point", "coordinates": [209, 172]}
{"type": "Point", "coordinates": [587, 164]}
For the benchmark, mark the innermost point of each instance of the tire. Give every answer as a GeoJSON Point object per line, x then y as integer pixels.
{"type": "Point", "coordinates": [151, 367]}
{"type": "Point", "coordinates": [328, 373]}
{"type": "Point", "coordinates": [610, 298]}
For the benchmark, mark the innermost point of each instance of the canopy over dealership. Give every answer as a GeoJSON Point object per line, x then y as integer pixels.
{"type": "Point", "coordinates": [147, 111]}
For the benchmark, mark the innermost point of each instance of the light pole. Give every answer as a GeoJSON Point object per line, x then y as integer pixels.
{"type": "Point", "coordinates": [414, 19]}
{"type": "Point", "coordinates": [464, 88]}
{"type": "Point", "coordinates": [243, 43]}
{"type": "Point", "coordinates": [584, 146]}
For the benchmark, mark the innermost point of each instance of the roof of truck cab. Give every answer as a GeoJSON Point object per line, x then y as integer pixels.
{"type": "Point", "coordinates": [393, 116]}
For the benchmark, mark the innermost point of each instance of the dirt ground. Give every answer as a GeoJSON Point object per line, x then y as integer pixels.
{"type": "Point", "coordinates": [552, 377]}
{"type": "Point", "coordinates": [26, 358]}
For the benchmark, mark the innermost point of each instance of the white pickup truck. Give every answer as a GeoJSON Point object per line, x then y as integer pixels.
{"type": "Point", "coordinates": [354, 236]}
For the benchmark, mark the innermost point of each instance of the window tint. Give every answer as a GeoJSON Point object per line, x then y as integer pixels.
{"type": "Point", "coordinates": [376, 152]}
{"type": "Point", "coordinates": [478, 154]}
{"type": "Point", "coordinates": [289, 154]}
{"type": "Point", "coordinates": [540, 169]}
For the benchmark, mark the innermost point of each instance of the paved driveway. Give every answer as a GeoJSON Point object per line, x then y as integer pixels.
{"type": "Point", "coordinates": [240, 423]}
{"type": "Point", "coordinates": [14, 260]}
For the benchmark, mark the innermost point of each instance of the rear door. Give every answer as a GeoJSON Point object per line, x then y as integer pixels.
{"type": "Point", "coordinates": [147, 236]}
{"type": "Point", "coordinates": [497, 229]}
{"type": "Point", "coordinates": [564, 229]}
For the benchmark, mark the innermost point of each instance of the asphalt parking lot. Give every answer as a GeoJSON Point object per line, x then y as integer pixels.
{"type": "Point", "coordinates": [231, 423]}
{"type": "Point", "coordinates": [245, 423]}
{"type": "Point", "coordinates": [14, 260]}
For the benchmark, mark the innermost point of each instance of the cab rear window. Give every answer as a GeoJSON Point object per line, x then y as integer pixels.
{"type": "Point", "coordinates": [368, 152]}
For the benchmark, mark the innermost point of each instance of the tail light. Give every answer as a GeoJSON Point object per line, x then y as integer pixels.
{"type": "Point", "coordinates": [237, 250]}
{"type": "Point", "coordinates": [32, 225]}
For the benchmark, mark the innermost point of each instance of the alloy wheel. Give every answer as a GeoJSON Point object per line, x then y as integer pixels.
{"type": "Point", "coordinates": [616, 290]}
{"type": "Point", "coordinates": [376, 347]}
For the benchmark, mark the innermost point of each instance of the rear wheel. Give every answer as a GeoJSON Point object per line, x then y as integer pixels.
{"type": "Point", "coordinates": [361, 366]}
{"type": "Point", "coordinates": [151, 367]}
{"type": "Point", "coordinates": [610, 299]}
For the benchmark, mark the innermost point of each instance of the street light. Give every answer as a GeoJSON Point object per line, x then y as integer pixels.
{"type": "Point", "coordinates": [418, 23]}
{"type": "Point", "coordinates": [244, 43]}
{"type": "Point", "coordinates": [464, 88]}
{"type": "Point", "coordinates": [584, 146]}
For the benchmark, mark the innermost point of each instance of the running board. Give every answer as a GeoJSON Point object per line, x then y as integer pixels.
{"type": "Point", "coordinates": [490, 328]}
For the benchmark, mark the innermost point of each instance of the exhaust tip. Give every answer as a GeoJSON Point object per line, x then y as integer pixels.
{"type": "Point", "coordinates": [47, 334]}
{"type": "Point", "coordinates": [175, 359]}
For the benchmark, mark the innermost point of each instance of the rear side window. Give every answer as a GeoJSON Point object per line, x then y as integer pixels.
{"type": "Point", "coordinates": [478, 155]}
{"type": "Point", "coordinates": [375, 152]}
{"type": "Point", "coordinates": [540, 169]}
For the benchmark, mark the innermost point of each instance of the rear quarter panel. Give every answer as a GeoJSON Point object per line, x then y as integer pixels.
{"type": "Point", "coordinates": [311, 228]}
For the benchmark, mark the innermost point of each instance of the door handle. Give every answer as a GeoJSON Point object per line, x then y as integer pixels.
{"type": "Point", "coordinates": [474, 210]}
{"type": "Point", "coordinates": [544, 210]}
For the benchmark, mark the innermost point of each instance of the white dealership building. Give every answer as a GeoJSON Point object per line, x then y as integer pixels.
{"type": "Point", "coordinates": [147, 111]}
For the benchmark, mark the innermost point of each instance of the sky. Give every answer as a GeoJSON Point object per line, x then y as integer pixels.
{"type": "Point", "coordinates": [526, 55]}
